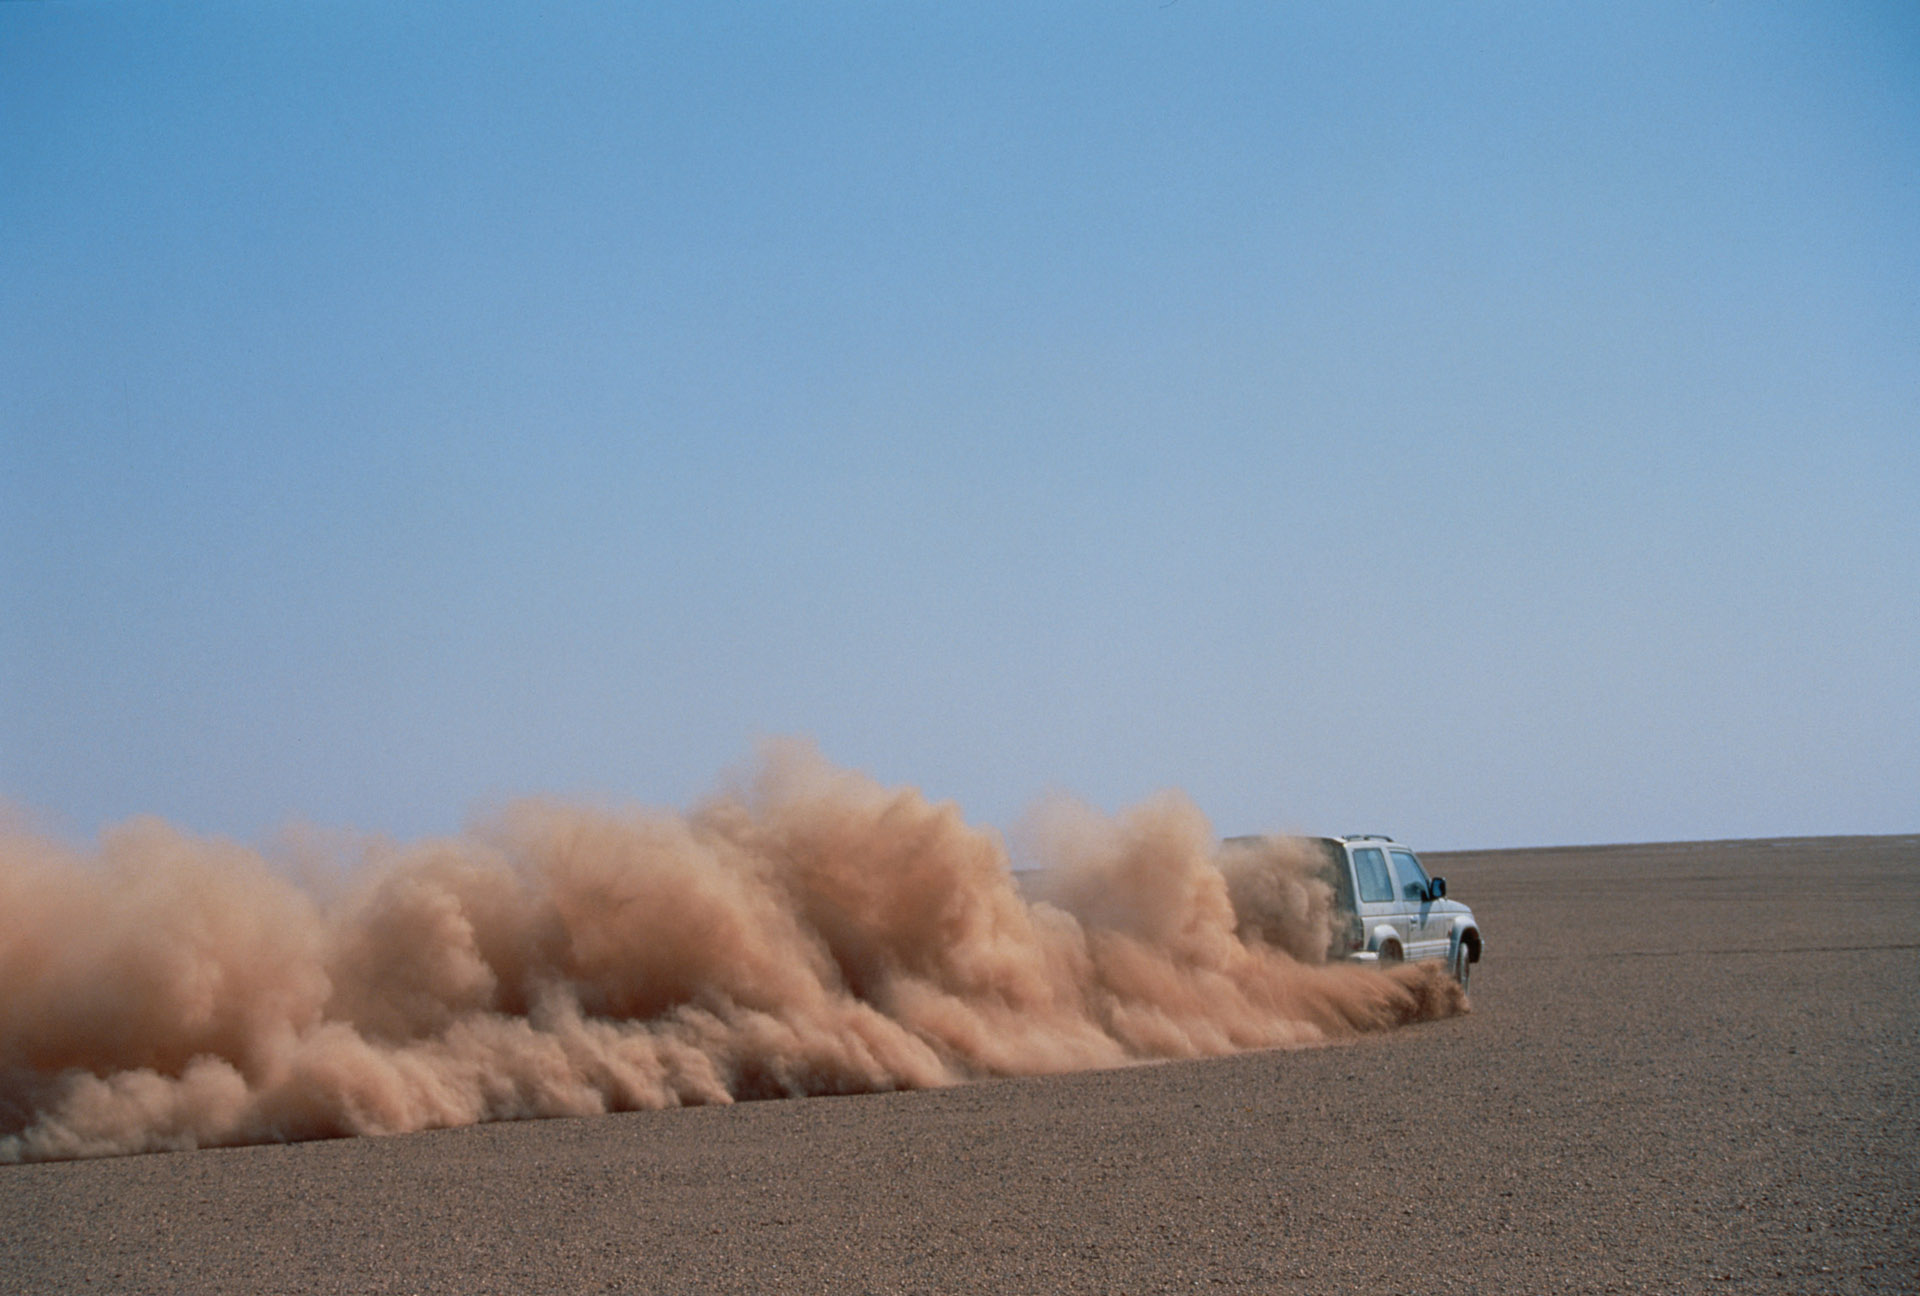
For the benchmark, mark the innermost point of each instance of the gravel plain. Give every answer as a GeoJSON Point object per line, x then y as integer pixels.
{"type": "Point", "coordinates": [1690, 1068]}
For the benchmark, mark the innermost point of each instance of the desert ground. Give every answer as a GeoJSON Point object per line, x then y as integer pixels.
{"type": "Point", "coordinates": [1689, 1067]}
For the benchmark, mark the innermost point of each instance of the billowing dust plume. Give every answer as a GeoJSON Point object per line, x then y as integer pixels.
{"type": "Point", "coordinates": [812, 933]}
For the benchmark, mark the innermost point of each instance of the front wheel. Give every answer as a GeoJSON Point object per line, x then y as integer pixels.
{"type": "Point", "coordinates": [1462, 963]}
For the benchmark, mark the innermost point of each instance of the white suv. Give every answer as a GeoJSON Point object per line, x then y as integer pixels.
{"type": "Point", "coordinates": [1386, 908]}
{"type": "Point", "coordinates": [1392, 909]}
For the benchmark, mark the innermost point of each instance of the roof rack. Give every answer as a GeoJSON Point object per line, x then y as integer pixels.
{"type": "Point", "coordinates": [1368, 837]}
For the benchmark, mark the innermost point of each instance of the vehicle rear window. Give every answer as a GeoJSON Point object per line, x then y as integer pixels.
{"type": "Point", "coordinates": [1370, 867]}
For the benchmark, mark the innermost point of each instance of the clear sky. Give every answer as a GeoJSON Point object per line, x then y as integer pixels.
{"type": "Point", "coordinates": [1489, 424]}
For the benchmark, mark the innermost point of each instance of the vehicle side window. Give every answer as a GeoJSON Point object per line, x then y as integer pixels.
{"type": "Point", "coordinates": [1413, 878]}
{"type": "Point", "coordinates": [1370, 866]}
{"type": "Point", "coordinates": [1336, 874]}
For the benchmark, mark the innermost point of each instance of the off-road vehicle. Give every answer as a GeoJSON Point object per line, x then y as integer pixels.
{"type": "Point", "coordinates": [1387, 909]}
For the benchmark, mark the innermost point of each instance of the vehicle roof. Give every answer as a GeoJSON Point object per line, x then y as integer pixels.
{"type": "Point", "coordinates": [1349, 838]}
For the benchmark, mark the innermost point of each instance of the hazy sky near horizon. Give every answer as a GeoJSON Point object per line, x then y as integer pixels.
{"type": "Point", "coordinates": [1490, 424]}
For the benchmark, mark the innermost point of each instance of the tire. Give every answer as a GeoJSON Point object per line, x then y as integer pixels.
{"type": "Point", "coordinates": [1389, 954]}
{"type": "Point", "coordinates": [1462, 964]}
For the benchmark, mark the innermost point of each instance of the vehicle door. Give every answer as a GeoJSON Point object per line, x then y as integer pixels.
{"type": "Point", "coordinates": [1379, 901]}
{"type": "Point", "coordinates": [1427, 926]}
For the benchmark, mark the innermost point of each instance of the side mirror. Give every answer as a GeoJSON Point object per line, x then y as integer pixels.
{"type": "Point", "coordinates": [1437, 889]}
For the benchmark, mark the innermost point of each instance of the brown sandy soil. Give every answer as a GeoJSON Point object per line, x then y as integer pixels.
{"type": "Point", "coordinates": [1690, 1067]}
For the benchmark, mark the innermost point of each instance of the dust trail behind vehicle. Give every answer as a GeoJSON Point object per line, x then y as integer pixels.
{"type": "Point", "coordinates": [811, 932]}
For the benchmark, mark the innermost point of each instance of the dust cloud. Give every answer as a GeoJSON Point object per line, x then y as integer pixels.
{"type": "Point", "coordinates": [810, 932]}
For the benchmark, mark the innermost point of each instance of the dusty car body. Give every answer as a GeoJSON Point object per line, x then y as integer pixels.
{"type": "Point", "coordinates": [1387, 908]}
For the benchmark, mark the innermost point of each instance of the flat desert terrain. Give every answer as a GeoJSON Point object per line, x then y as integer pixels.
{"type": "Point", "coordinates": [1689, 1067]}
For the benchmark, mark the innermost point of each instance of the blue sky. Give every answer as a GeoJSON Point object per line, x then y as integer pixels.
{"type": "Point", "coordinates": [1488, 424]}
